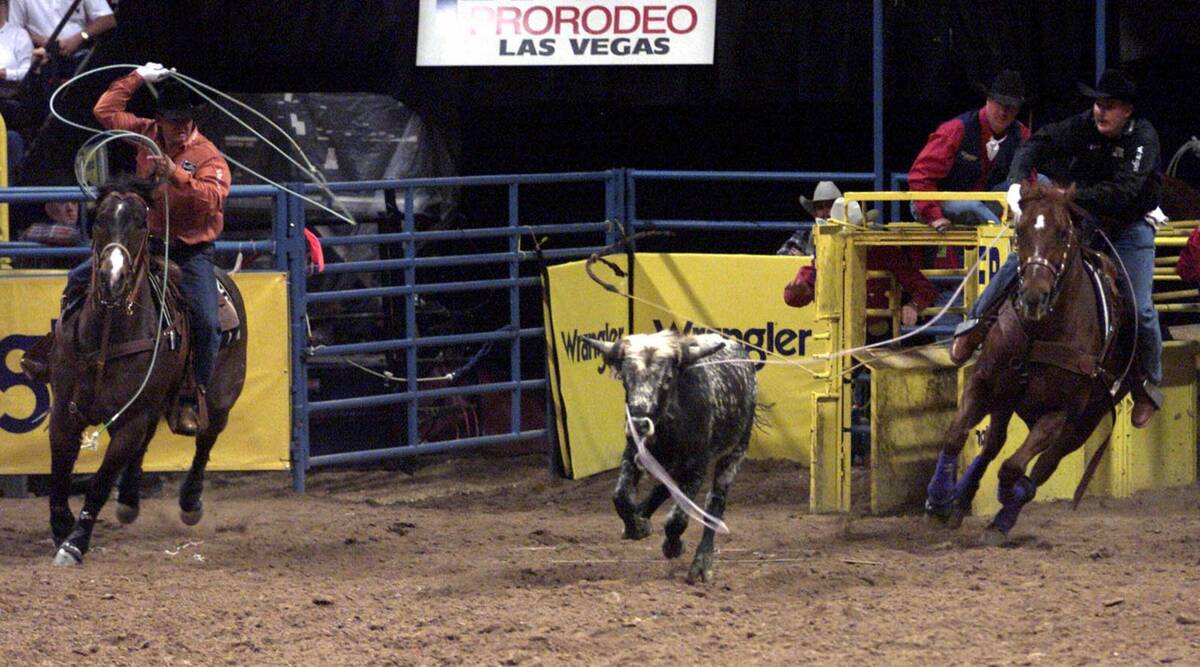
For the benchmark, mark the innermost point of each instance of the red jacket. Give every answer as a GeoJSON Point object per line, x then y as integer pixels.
{"type": "Point", "coordinates": [896, 260]}
{"type": "Point", "coordinates": [200, 184]}
{"type": "Point", "coordinates": [1188, 267]}
{"type": "Point", "coordinates": [936, 159]}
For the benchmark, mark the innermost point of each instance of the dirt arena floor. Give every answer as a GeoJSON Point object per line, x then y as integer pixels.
{"type": "Point", "coordinates": [490, 561]}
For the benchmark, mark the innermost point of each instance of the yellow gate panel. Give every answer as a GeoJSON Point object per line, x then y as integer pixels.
{"type": "Point", "coordinates": [914, 396]}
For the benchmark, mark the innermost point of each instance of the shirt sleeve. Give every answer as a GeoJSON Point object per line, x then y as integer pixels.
{"type": "Point", "coordinates": [1119, 193]}
{"type": "Point", "coordinates": [933, 163]}
{"type": "Point", "coordinates": [22, 55]}
{"type": "Point", "coordinates": [1062, 138]}
{"type": "Point", "coordinates": [792, 295]}
{"type": "Point", "coordinates": [95, 9]}
{"type": "Point", "coordinates": [1188, 267]}
{"type": "Point", "coordinates": [110, 108]}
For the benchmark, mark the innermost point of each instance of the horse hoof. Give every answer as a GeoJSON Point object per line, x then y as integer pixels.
{"type": "Point", "coordinates": [193, 517]}
{"type": "Point", "coordinates": [992, 537]}
{"type": "Point", "coordinates": [127, 513]}
{"type": "Point", "coordinates": [67, 556]}
{"type": "Point", "coordinates": [935, 519]}
{"type": "Point", "coordinates": [954, 521]}
{"type": "Point", "coordinates": [672, 548]}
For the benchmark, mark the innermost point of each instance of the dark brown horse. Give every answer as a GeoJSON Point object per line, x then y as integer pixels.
{"type": "Point", "coordinates": [117, 361]}
{"type": "Point", "coordinates": [1057, 357]}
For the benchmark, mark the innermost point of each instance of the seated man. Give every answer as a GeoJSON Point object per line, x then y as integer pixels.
{"type": "Point", "coordinates": [1112, 156]}
{"type": "Point", "coordinates": [799, 292]}
{"type": "Point", "coordinates": [971, 153]}
{"type": "Point", "coordinates": [59, 230]}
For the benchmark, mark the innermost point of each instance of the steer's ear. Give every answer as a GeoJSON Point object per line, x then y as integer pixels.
{"type": "Point", "coordinates": [612, 352]}
{"type": "Point", "coordinates": [695, 351]}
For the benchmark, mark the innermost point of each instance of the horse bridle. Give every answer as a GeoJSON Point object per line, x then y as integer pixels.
{"type": "Point", "coordinates": [136, 261]}
{"type": "Point", "coordinates": [1056, 272]}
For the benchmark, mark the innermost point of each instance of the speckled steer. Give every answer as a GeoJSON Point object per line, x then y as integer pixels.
{"type": "Point", "coordinates": [693, 400]}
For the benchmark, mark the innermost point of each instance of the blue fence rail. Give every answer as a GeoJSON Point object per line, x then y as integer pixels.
{"type": "Point", "coordinates": [613, 202]}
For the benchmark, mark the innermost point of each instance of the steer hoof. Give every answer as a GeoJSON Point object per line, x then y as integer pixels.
{"type": "Point", "coordinates": [672, 548]}
{"type": "Point", "coordinates": [68, 556]}
{"type": "Point", "coordinates": [127, 513]}
{"type": "Point", "coordinates": [701, 570]}
{"type": "Point", "coordinates": [992, 537]}
{"type": "Point", "coordinates": [638, 529]}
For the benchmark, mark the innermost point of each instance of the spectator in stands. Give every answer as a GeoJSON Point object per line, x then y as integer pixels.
{"type": "Point", "coordinates": [40, 17]}
{"type": "Point", "coordinates": [800, 242]}
{"type": "Point", "coordinates": [59, 230]}
{"type": "Point", "coordinates": [1188, 266]}
{"type": "Point", "coordinates": [15, 52]}
{"type": "Point", "coordinates": [826, 203]}
{"type": "Point", "coordinates": [971, 152]}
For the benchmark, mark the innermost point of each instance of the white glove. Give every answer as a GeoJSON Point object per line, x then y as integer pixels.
{"type": "Point", "coordinates": [1014, 201]}
{"type": "Point", "coordinates": [153, 72]}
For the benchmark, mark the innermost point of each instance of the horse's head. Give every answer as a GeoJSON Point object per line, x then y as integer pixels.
{"type": "Point", "coordinates": [1046, 242]}
{"type": "Point", "coordinates": [119, 235]}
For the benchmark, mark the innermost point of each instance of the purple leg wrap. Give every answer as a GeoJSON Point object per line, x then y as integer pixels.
{"type": "Point", "coordinates": [941, 487]}
{"type": "Point", "coordinates": [968, 484]}
{"type": "Point", "coordinates": [1013, 498]}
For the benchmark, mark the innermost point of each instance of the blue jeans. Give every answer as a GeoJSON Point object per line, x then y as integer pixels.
{"type": "Point", "coordinates": [1134, 244]}
{"type": "Point", "coordinates": [199, 290]}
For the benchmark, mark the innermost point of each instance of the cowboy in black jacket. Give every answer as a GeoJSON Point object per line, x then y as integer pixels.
{"type": "Point", "coordinates": [1111, 156]}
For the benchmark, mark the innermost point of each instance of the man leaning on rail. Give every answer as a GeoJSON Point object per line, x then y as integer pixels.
{"type": "Point", "coordinates": [1112, 155]}
{"type": "Point", "coordinates": [195, 180]}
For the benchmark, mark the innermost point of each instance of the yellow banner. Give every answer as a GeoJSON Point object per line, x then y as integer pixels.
{"type": "Point", "coordinates": [740, 295]}
{"type": "Point", "coordinates": [258, 434]}
{"type": "Point", "coordinates": [588, 403]}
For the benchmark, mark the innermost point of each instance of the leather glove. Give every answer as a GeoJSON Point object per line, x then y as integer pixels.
{"type": "Point", "coordinates": [153, 72]}
{"type": "Point", "coordinates": [1014, 201]}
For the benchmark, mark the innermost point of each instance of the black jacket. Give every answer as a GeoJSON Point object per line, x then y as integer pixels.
{"type": "Point", "coordinates": [1116, 178]}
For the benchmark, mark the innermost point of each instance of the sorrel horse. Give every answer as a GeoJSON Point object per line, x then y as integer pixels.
{"type": "Point", "coordinates": [1057, 357]}
{"type": "Point", "coordinates": [114, 361]}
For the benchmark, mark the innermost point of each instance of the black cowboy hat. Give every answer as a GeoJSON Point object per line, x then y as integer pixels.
{"type": "Point", "coordinates": [1114, 84]}
{"type": "Point", "coordinates": [1007, 88]}
{"type": "Point", "coordinates": [176, 101]}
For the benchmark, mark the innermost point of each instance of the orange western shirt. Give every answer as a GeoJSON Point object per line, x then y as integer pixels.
{"type": "Point", "coordinates": [198, 187]}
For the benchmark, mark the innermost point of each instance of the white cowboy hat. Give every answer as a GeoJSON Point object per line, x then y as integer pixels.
{"type": "Point", "coordinates": [825, 191]}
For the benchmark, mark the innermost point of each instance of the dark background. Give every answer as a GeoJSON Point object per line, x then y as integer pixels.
{"type": "Point", "coordinates": [790, 88]}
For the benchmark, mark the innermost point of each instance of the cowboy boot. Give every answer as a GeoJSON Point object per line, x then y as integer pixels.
{"type": "Point", "coordinates": [193, 414]}
{"type": "Point", "coordinates": [968, 338]}
{"type": "Point", "coordinates": [1147, 399]}
{"type": "Point", "coordinates": [36, 360]}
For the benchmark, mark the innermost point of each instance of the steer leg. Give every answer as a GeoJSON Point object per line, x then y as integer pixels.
{"type": "Point", "coordinates": [625, 497]}
{"type": "Point", "coordinates": [723, 474]}
{"type": "Point", "coordinates": [690, 475]}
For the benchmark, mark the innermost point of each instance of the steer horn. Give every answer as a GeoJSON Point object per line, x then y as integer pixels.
{"type": "Point", "coordinates": [604, 347]}
{"type": "Point", "coordinates": [695, 351]}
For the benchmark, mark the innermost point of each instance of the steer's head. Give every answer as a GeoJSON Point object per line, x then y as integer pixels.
{"type": "Point", "coordinates": [649, 366]}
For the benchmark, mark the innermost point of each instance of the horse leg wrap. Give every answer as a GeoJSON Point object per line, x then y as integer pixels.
{"type": "Point", "coordinates": [941, 487]}
{"type": "Point", "coordinates": [968, 484]}
{"type": "Point", "coordinates": [1012, 499]}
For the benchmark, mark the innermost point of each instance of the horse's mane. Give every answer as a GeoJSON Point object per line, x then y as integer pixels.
{"type": "Point", "coordinates": [128, 183]}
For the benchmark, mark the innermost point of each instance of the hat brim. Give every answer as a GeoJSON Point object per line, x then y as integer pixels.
{"type": "Point", "coordinates": [1008, 100]}
{"type": "Point", "coordinates": [807, 204]}
{"type": "Point", "coordinates": [1093, 94]}
{"type": "Point", "coordinates": [185, 113]}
